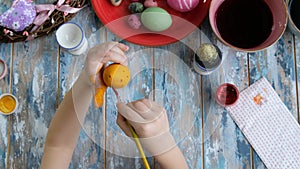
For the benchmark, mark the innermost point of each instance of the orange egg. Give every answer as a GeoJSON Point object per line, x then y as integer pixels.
{"type": "Point", "coordinates": [116, 76]}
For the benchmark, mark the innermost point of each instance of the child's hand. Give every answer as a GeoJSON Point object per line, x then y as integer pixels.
{"type": "Point", "coordinates": [150, 122]}
{"type": "Point", "coordinates": [97, 57]}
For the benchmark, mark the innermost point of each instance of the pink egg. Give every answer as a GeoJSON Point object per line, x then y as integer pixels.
{"type": "Point", "coordinates": [134, 21]}
{"type": "Point", "coordinates": [150, 3]}
{"type": "Point", "coordinates": [183, 5]}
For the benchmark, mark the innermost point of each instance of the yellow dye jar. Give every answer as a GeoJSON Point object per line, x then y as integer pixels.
{"type": "Point", "coordinates": [8, 104]}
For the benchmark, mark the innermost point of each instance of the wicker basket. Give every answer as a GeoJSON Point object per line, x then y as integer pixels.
{"type": "Point", "coordinates": [56, 19]}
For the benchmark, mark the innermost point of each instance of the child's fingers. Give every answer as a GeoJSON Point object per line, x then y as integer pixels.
{"type": "Point", "coordinates": [155, 107]}
{"type": "Point", "coordinates": [147, 109]}
{"type": "Point", "coordinates": [123, 47]}
{"type": "Point", "coordinates": [118, 50]}
{"type": "Point", "coordinates": [143, 110]}
{"type": "Point", "coordinates": [113, 56]}
{"type": "Point", "coordinates": [121, 121]}
{"type": "Point", "coordinates": [129, 114]}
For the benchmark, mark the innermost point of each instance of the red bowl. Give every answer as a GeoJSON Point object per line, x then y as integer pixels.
{"type": "Point", "coordinates": [279, 13]}
{"type": "Point", "coordinates": [115, 19]}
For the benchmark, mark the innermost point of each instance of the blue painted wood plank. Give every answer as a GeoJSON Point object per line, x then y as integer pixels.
{"type": "Point", "coordinates": [5, 5]}
{"type": "Point", "coordinates": [34, 83]}
{"type": "Point", "coordinates": [121, 151]}
{"type": "Point", "coordinates": [191, 146]}
{"type": "Point", "coordinates": [224, 144]}
{"type": "Point", "coordinates": [178, 90]}
{"type": "Point", "coordinates": [35, 86]}
{"type": "Point", "coordinates": [5, 55]}
{"type": "Point", "coordinates": [88, 152]}
{"type": "Point", "coordinates": [297, 50]}
{"type": "Point", "coordinates": [277, 64]}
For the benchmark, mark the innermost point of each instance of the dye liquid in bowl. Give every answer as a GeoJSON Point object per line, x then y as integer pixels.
{"type": "Point", "coordinates": [244, 23]}
{"type": "Point", "coordinates": [295, 12]}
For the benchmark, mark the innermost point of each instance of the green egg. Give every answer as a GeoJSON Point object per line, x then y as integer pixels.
{"type": "Point", "coordinates": [156, 19]}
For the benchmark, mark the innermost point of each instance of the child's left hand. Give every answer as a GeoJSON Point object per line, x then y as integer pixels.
{"type": "Point", "coordinates": [97, 57]}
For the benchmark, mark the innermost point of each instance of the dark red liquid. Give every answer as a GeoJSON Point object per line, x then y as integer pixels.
{"type": "Point", "coordinates": [227, 95]}
{"type": "Point", "coordinates": [244, 23]}
{"type": "Point", "coordinates": [295, 12]}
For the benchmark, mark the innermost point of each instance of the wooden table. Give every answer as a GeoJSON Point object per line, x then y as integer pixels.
{"type": "Point", "coordinates": [40, 73]}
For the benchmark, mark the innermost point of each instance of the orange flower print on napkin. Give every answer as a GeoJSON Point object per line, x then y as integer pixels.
{"type": "Point", "coordinates": [258, 99]}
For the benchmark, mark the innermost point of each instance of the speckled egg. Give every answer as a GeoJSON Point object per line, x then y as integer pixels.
{"type": "Point", "coordinates": [134, 21]}
{"type": "Point", "coordinates": [183, 5]}
{"type": "Point", "coordinates": [156, 19]}
{"type": "Point", "coordinates": [136, 7]}
{"type": "Point", "coordinates": [116, 76]}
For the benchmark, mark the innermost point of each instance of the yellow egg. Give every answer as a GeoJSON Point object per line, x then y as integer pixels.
{"type": "Point", "coordinates": [116, 76]}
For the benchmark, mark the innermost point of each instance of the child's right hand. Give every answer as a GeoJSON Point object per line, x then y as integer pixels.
{"type": "Point", "coordinates": [150, 122]}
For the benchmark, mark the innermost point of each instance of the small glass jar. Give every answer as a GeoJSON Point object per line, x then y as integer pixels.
{"type": "Point", "coordinates": [8, 104]}
{"type": "Point", "coordinates": [207, 58]}
{"type": "Point", "coordinates": [227, 94]}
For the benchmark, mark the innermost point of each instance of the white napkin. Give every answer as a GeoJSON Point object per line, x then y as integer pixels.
{"type": "Point", "coordinates": [268, 125]}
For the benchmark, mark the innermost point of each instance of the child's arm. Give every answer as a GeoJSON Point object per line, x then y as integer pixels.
{"type": "Point", "coordinates": [66, 125]}
{"type": "Point", "coordinates": [150, 122]}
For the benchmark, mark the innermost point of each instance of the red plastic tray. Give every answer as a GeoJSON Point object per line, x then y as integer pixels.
{"type": "Point", "coordinates": [115, 19]}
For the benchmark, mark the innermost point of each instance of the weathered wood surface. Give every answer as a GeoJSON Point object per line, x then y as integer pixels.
{"type": "Point", "coordinates": [296, 49]}
{"type": "Point", "coordinates": [224, 144]}
{"type": "Point", "coordinates": [40, 73]}
{"type": "Point", "coordinates": [88, 153]}
{"type": "Point", "coordinates": [178, 89]}
{"type": "Point", "coordinates": [5, 121]}
{"type": "Point", "coordinates": [5, 87]}
{"type": "Point", "coordinates": [277, 64]}
{"type": "Point", "coordinates": [116, 141]}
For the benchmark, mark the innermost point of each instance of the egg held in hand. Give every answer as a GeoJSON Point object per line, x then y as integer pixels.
{"type": "Point", "coordinates": [156, 19]}
{"type": "Point", "coordinates": [116, 76]}
{"type": "Point", "coordinates": [183, 5]}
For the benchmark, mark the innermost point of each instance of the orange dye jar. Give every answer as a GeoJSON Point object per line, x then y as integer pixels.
{"type": "Point", "coordinates": [8, 104]}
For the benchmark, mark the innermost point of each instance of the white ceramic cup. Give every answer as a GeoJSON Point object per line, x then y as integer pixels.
{"type": "Point", "coordinates": [70, 36]}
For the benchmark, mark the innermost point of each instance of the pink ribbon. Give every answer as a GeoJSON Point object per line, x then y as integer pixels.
{"type": "Point", "coordinates": [44, 12]}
